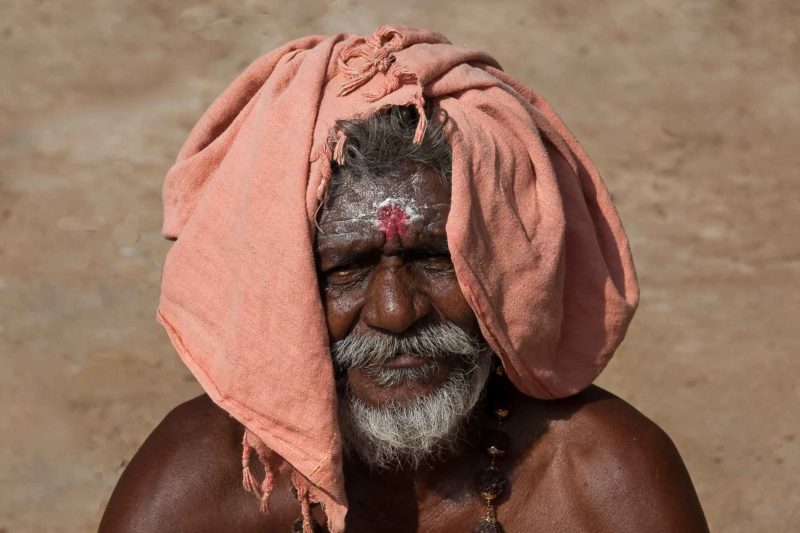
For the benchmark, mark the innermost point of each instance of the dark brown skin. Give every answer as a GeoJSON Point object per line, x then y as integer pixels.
{"type": "Point", "coordinates": [388, 275]}
{"type": "Point", "coordinates": [587, 463]}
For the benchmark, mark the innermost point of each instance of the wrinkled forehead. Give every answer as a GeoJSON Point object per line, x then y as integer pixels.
{"type": "Point", "coordinates": [413, 195]}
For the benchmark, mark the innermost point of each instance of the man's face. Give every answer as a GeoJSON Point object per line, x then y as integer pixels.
{"type": "Point", "coordinates": [400, 327]}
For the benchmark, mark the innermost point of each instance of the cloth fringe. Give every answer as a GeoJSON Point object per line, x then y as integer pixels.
{"type": "Point", "coordinates": [360, 61]}
{"type": "Point", "coordinates": [422, 124]}
{"type": "Point", "coordinates": [395, 78]}
{"type": "Point", "coordinates": [305, 498]}
{"type": "Point", "coordinates": [338, 151]}
{"type": "Point", "coordinates": [263, 491]}
{"type": "Point", "coordinates": [250, 444]}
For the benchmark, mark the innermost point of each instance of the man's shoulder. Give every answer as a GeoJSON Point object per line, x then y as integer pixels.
{"type": "Point", "coordinates": [196, 432]}
{"type": "Point", "coordinates": [199, 426]}
{"type": "Point", "coordinates": [596, 422]}
{"type": "Point", "coordinates": [185, 477]}
{"type": "Point", "coordinates": [621, 466]}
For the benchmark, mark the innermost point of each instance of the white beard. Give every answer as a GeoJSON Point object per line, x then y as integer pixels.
{"type": "Point", "coordinates": [408, 434]}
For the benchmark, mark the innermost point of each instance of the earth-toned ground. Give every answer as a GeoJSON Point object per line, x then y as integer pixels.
{"type": "Point", "coordinates": [690, 109]}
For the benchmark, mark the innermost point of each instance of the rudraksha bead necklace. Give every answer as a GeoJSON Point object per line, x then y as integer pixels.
{"type": "Point", "coordinates": [490, 481]}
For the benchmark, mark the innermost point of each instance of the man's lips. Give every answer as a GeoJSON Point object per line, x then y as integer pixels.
{"type": "Point", "coordinates": [406, 361]}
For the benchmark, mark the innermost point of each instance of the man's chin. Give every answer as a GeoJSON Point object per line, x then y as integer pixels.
{"type": "Point", "coordinates": [378, 387]}
{"type": "Point", "coordinates": [411, 421]}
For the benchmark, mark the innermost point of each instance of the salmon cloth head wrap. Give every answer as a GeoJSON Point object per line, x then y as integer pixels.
{"type": "Point", "coordinates": [540, 254]}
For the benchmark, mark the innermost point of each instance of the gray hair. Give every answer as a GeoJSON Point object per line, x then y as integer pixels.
{"type": "Point", "coordinates": [383, 141]}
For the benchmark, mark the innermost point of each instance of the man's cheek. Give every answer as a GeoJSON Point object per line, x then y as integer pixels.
{"type": "Point", "coordinates": [342, 310]}
{"type": "Point", "coordinates": [449, 300]}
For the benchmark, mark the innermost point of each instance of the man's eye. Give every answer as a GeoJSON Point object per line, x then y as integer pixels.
{"type": "Point", "coordinates": [435, 262]}
{"type": "Point", "coordinates": [345, 274]}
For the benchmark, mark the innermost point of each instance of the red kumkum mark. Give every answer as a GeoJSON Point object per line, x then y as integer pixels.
{"type": "Point", "coordinates": [393, 221]}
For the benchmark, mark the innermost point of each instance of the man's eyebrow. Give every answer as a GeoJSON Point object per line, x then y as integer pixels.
{"type": "Point", "coordinates": [433, 237]}
{"type": "Point", "coordinates": [436, 243]}
{"type": "Point", "coordinates": [333, 251]}
{"type": "Point", "coordinates": [333, 248]}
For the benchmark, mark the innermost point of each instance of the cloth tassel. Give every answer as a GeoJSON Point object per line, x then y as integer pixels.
{"type": "Point", "coordinates": [266, 488]}
{"type": "Point", "coordinates": [422, 124]}
{"type": "Point", "coordinates": [338, 151]}
{"type": "Point", "coordinates": [373, 54]}
{"type": "Point", "coordinates": [305, 509]}
{"type": "Point", "coordinates": [249, 482]}
{"type": "Point", "coordinates": [395, 78]}
{"type": "Point", "coordinates": [263, 491]}
{"type": "Point", "coordinates": [326, 154]}
{"type": "Point", "coordinates": [304, 497]}
{"type": "Point", "coordinates": [321, 190]}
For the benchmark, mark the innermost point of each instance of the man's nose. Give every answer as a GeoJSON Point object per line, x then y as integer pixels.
{"type": "Point", "coordinates": [393, 303]}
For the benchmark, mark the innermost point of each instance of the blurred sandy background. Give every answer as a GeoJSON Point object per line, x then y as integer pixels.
{"type": "Point", "coordinates": [690, 109]}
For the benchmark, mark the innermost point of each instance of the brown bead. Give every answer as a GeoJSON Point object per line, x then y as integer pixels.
{"type": "Point", "coordinates": [490, 482]}
{"type": "Point", "coordinates": [495, 442]}
{"type": "Point", "coordinates": [486, 525]}
{"type": "Point", "coordinates": [500, 414]}
{"type": "Point", "coordinates": [500, 408]}
{"type": "Point", "coordinates": [494, 451]}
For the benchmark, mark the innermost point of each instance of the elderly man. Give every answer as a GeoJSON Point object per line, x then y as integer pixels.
{"type": "Point", "coordinates": [396, 275]}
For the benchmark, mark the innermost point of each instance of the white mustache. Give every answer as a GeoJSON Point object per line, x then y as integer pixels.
{"type": "Point", "coordinates": [431, 340]}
